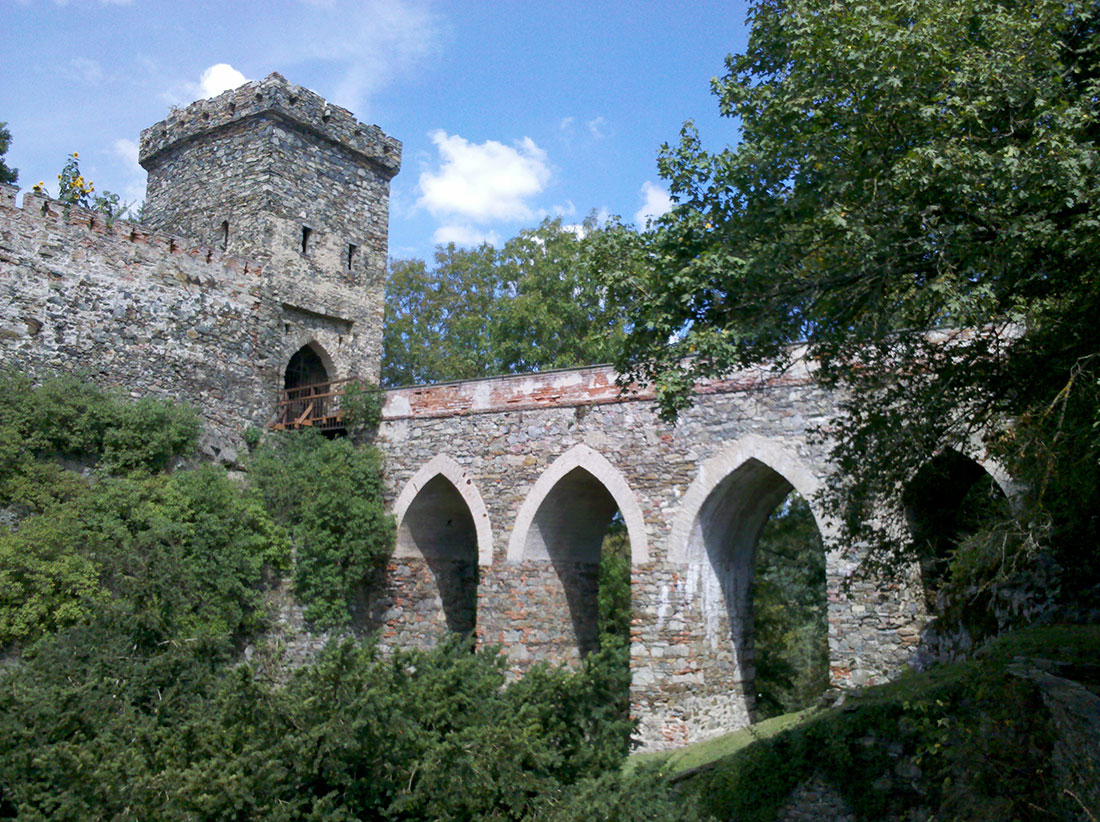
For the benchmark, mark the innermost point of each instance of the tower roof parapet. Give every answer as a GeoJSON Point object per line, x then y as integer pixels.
{"type": "Point", "coordinates": [272, 96]}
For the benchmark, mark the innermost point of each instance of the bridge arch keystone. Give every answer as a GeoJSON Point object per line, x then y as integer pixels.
{"type": "Point", "coordinates": [581, 456]}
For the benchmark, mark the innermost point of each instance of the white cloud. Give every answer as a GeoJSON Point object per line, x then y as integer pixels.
{"type": "Point", "coordinates": [463, 235]}
{"type": "Point", "coordinates": [84, 70]}
{"type": "Point", "coordinates": [566, 209]}
{"type": "Point", "coordinates": [213, 81]}
{"type": "Point", "coordinates": [593, 130]}
{"type": "Point", "coordinates": [484, 181]}
{"type": "Point", "coordinates": [655, 202]}
{"type": "Point", "coordinates": [597, 127]}
{"type": "Point", "coordinates": [127, 151]}
{"type": "Point", "coordinates": [218, 78]}
{"type": "Point", "coordinates": [372, 43]}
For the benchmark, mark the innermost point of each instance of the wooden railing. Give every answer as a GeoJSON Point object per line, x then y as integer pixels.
{"type": "Point", "coordinates": [311, 406]}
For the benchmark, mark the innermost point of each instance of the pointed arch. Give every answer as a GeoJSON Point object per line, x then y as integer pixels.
{"type": "Point", "coordinates": [315, 357]}
{"type": "Point", "coordinates": [444, 466]}
{"type": "Point", "coordinates": [595, 464]}
{"type": "Point", "coordinates": [951, 495]}
{"type": "Point", "coordinates": [741, 457]}
{"type": "Point", "coordinates": [974, 449]}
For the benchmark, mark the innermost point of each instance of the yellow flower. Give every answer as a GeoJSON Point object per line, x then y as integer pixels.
{"type": "Point", "coordinates": [76, 156]}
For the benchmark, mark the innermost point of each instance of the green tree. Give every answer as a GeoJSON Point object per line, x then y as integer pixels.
{"type": "Point", "coordinates": [328, 494]}
{"type": "Point", "coordinates": [535, 303]}
{"type": "Point", "coordinates": [438, 320]}
{"type": "Point", "coordinates": [905, 168]}
{"type": "Point", "coordinates": [790, 638]}
{"type": "Point", "coordinates": [7, 174]}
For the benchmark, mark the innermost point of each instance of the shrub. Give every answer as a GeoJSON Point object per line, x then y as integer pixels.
{"type": "Point", "coordinates": [182, 555]}
{"type": "Point", "coordinates": [69, 417]}
{"type": "Point", "coordinates": [328, 494]}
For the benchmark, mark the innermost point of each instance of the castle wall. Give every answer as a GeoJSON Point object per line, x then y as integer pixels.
{"type": "Point", "coordinates": [505, 486]}
{"type": "Point", "coordinates": [691, 643]}
{"type": "Point", "coordinates": [135, 309]}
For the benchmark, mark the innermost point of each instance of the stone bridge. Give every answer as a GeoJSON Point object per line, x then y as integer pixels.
{"type": "Point", "coordinates": [504, 488]}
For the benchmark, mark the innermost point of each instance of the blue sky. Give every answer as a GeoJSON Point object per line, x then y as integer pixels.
{"type": "Point", "coordinates": [508, 111]}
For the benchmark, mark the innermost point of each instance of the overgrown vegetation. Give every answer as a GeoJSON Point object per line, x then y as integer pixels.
{"type": "Point", "coordinates": [327, 493]}
{"type": "Point", "coordinates": [969, 741]}
{"type": "Point", "coordinates": [791, 650]}
{"type": "Point", "coordinates": [91, 729]}
{"type": "Point", "coordinates": [914, 196]}
{"type": "Point", "coordinates": [906, 166]}
{"type": "Point", "coordinates": [176, 556]}
{"type": "Point", "coordinates": [535, 303]}
{"type": "Point", "coordinates": [128, 591]}
{"type": "Point", "coordinates": [73, 189]}
{"type": "Point", "coordinates": [7, 174]}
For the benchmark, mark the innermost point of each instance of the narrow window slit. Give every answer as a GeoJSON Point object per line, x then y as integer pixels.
{"type": "Point", "coordinates": [225, 235]}
{"type": "Point", "coordinates": [306, 231]}
{"type": "Point", "coordinates": [352, 248]}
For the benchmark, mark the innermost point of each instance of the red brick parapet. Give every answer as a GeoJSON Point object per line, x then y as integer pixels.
{"type": "Point", "coordinates": [564, 388]}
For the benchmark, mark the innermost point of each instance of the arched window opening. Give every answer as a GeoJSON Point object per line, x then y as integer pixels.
{"type": "Point", "coordinates": [306, 368]}
{"type": "Point", "coordinates": [439, 526]}
{"type": "Point", "coordinates": [949, 500]}
{"type": "Point", "coordinates": [763, 545]}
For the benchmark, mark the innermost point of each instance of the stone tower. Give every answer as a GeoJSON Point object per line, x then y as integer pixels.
{"type": "Point", "coordinates": [273, 173]}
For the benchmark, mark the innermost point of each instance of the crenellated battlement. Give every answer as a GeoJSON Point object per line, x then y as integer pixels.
{"type": "Point", "coordinates": [45, 221]}
{"type": "Point", "coordinates": [262, 247]}
{"type": "Point", "coordinates": [276, 97]}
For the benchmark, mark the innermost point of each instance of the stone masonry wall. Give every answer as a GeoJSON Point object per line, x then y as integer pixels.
{"type": "Point", "coordinates": [504, 487]}
{"type": "Point", "coordinates": [273, 172]}
{"type": "Point", "coordinates": [209, 303]}
{"type": "Point", "coordinates": [691, 653]}
{"type": "Point", "coordinates": [137, 309]}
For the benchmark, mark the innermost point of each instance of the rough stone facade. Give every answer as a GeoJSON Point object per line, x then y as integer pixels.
{"type": "Point", "coordinates": [137, 309]}
{"type": "Point", "coordinates": [542, 462]}
{"type": "Point", "coordinates": [502, 488]}
{"type": "Point", "coordinates": [267, 219]}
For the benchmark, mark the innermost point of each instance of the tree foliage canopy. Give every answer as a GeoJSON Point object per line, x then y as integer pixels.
{"type": "Point", "coordinates": [7, 174]}
{"type": "Point", "coordinates": [533, 304]}
{"type": "Point", "coordinates": [905, 167]}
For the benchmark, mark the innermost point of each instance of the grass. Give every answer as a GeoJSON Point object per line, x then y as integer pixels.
{"type": "Point", "coordinates": [676, 763]}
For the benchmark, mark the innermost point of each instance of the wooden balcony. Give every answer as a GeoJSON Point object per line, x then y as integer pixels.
{"type": "Point", "coordinates": [311, 406]}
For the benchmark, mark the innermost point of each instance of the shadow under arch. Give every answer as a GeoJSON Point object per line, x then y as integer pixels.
{"type": "Point", "coordinates": [564, 519]}
{"type": "Point", "coordinates": [608, 476]}
{"type": "Point", "coordinates": [950, 496]}
{"type": "Point", "coordinates": [442, 519]}
{"type": "Point", "coordinates": [718, 528]}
